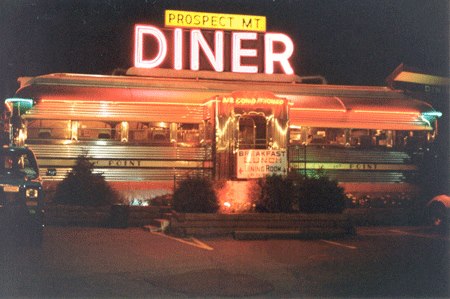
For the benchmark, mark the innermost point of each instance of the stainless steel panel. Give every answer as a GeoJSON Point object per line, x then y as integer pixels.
{"type": "Point", "coordinates": [121, 152]}
{"type": "Point", "coordinates": [401, 167]}
{"type": "Point", "coordinates": [342, 155]}
{"type": "Point", "coordinates": [156, 163]}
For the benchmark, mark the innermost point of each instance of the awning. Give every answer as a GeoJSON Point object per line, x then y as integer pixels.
{"type": "Point", "coordinates": [362, 113]}
{"type": "Point", "coordinates": [116, 111]}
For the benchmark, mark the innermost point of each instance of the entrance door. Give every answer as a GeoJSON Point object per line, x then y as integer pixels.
{"type": "Point", "coordinates": [252, 132]}
{"type": "Point", "coordinates": [246, 121]}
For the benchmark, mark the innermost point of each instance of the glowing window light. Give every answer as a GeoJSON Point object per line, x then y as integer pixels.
{"type": "Point", "coordinates": [283, 57]}
{"type": "Point", "coordinates": [74, 130]}
{"type": "Point", "coordinates": [22, 136]}
{"type": "Point", "coordinates": [198, 41]}
{"type": "Point", "coordinates": [139, 61]}
{"type": "Point", "coordinates": [238, 52]}
{"type": "Point", "coordinates": [69, 128]}
{"type": "Point", "coordinates": [124, 132]}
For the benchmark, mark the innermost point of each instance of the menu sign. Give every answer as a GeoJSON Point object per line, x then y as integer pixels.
{"type": "Point", "coordinates": [253, 164]}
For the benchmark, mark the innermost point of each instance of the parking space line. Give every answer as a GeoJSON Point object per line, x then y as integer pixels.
{"type": "Point", "coordinates": [340, 244]}
{"type": "Point", "coordinates": [201, 244]}
{"type": "Point", "coordinates": [419, 235]}
{"type": "Point", "coordinates": [194, 242]}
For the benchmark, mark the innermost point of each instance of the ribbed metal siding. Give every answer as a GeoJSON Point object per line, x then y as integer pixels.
{"type": "Point", "coordinates": [191, 161]}
{"type": "Point", "coordinates": [342, 155]}
{"type": "Point", "coordinates": [121, 152]}
{"type": "Point", "coordinates": [395, 159]}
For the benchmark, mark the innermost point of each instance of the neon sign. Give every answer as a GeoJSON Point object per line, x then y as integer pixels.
{"type": "Point", "coordinates": [224, 50]}
{"type": "Point", "coordinates": [252, 101]}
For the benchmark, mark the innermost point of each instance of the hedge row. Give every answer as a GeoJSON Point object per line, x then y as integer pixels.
{"type": "Point", "coordinates": [272, 194]}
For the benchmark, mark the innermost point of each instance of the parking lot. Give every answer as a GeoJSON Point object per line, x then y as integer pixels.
{"type": "Point", "coordinates": [96, 262]}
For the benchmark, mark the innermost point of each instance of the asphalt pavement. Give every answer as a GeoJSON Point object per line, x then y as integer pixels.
{"type": "Point", "coordinates": [76, 262]}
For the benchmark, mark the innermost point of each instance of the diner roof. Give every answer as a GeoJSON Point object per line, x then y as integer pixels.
{"type": "Point", "coordinates": [319, 103]}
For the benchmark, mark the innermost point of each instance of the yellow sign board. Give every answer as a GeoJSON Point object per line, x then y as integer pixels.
{"type": "Point", "coordinates": [191, 19]}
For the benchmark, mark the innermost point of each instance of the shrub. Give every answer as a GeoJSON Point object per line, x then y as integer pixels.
{"type": "Point", "coordinates": [319, 194]}
{"type": "Point", "coordinates": [274, 195]}
{"type": "Point", "coordinates": [195, 195]}
{"type": "Point", "coordinates": [82, 187]}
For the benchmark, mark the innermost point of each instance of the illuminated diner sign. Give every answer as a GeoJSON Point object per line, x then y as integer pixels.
{"type": "Point", "coordinates": [252, 101]}
{"type": "Point", "coordinates": [191, 19]}
{"type": "Point", "coordinates": [252, 164]}
{"type": "Point", "coordinates": [184, 46]}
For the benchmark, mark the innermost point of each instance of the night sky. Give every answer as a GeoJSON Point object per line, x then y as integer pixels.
{"type": "Point", "coordinates": [355, 42]}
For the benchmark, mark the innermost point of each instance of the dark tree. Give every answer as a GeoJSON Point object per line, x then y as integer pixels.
{"type": "Point", "coordinates": [83, 187]}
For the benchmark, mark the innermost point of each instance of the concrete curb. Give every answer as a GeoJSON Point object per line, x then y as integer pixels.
{"type": "Point", "coordinates": [261, 226]}
{"type": "Point", "coordinates": [305, 234]}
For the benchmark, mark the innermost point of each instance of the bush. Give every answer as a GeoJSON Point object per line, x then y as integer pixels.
{"type": "Point", "coordinates": [319, 194]}
{"type": "Point", "coordinates": [275, 195]}
{"type": "Point", "coordinates": [195, 195]}
{"type": "Point", "coordinates": [82, 187]}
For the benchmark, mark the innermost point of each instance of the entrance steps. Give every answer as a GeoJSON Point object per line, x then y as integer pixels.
{"type": "Point", "coordinates": [157, 225]}
{"type": "Point", "coordinates": [161, 223]}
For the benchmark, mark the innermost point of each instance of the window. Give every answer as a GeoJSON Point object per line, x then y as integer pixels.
{"type": "Point", "coordinates": [412, 140]}
{"type": "Point", "coordinates": [246, 133]}
{"type": "Point", "coordinates": [49, 129]}
{"type": "Point", "coordinates": [26, 166]}
{"type": "Point", "coordinates": [361, 138]}
{"type": "Point", "coordinates": [12, 163]}
{"type": "Point", "coordinates": [319, 136]}
{"type": "Point", "coordinates": [153, 133]}
{"type": "Point", "coordinates": [188, 134]}
{"type": "Point", "coordinates": [252, 132]}
{"type": "Point", "coordinates": [7, 162]}
{"type": "Point", "coordinates": [95, 130]}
